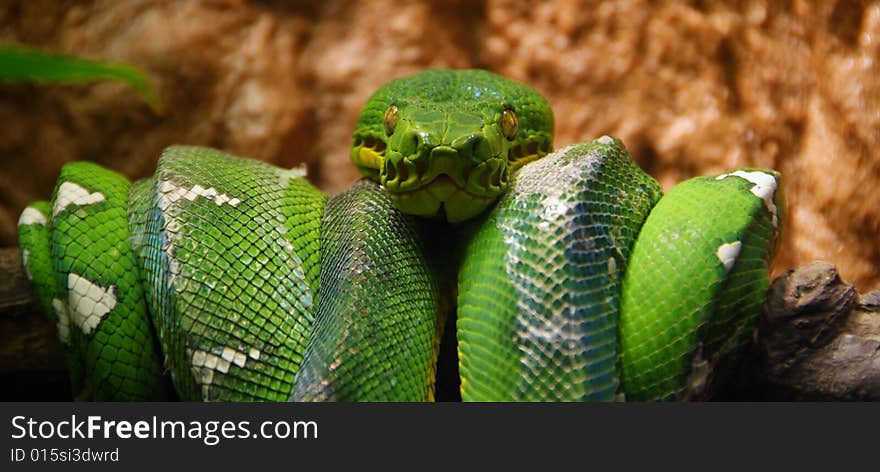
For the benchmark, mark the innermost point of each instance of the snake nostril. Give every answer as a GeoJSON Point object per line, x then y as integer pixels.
{"type": "Point", "coordinates": [415, 146]}
{"type": "Point", "coordinates": [471, 147]}
{"type": "Point", "coordinates": [418, 141]}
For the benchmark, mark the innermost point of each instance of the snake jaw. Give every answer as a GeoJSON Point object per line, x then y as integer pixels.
{"type": "Point", "coordinates": [445, 186]}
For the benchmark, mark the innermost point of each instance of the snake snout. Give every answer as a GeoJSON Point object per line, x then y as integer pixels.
{"type": "Point", "coordinates": [473, 148]}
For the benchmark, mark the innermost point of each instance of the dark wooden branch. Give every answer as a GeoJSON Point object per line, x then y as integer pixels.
{"type": "Point", "coordinates": [27, 339]}
{"type": "Point", "coordinates": [32, 365]}
{"type": "Point", "coordinates": [16, 295]}
{"type": "Point", "coordinates": [817, 339]}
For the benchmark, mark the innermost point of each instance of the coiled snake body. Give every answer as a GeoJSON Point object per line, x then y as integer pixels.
{"type": "Point", "coordinates": [569, 276]}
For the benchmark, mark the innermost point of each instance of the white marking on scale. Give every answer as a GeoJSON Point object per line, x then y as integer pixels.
{"type": "Point", "coordinates": [32, 216]}
{"type": "Point", "coordinates": [764, 188]}
{"type": "Point", "coordinates": [70, 193]}
{"type": "Point", "coordinates": [207, 377]}
{"type": "Point", "coordinates": [219, 360]}
{"type": "Point", "coordinates": [201, 374]}
{"type": "Point", "coordinates": [173, 267]}
{"type": "Point", "coordinates": [728, 252]}
{"type": "Point", "coordinates": [239, 359]}
{"type": "Point", "coordinates": [88, 301]}
{"type": "Point", "coordinates": [194, 193]}
{"type": "Point", "coordinates": [210, 193]}
{"type": "Point", "coordinates": [285, 175]}
{"type": "Point", "coordinates": [605, 139]}
{"type": "Point", "coordinates": [25, 255]}
{"type": "Point", "coordinates": [63, 324]}
{"type": "Point", "coordinates": [170, 193]}
{"type": "Point", "coordinates": [254, 353]}
{"type": "Point", "coordinates": [228, 353]}
{"type": "Point", "coordinates": [223, 365]}
{"type": "Point", "coordinates": [198, 358]}
{"type": "Point", "coordinates": [211, 360]}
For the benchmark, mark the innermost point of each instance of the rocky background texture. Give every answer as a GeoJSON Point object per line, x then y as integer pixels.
{"type": "Point", "coordinates": [691, 88]}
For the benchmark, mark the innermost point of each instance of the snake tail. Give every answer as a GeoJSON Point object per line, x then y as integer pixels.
{"type": "Point", "coordinates": [539, 286]}
{"type": "Point", "coordinates": [698, 275]}
{"type": "Point", "coordinates": [377, 329]}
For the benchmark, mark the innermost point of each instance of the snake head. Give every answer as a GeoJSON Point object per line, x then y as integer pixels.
{"type": "Point", "coordinates": [444, 143]}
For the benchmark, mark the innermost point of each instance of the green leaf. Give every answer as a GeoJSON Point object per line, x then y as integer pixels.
{"type": "Point", "coordinates": [23, 64]}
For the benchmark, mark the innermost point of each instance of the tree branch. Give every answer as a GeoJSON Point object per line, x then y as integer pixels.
{"type": "Point", "coordinates": [32, 364]}
{"type": "Point", "coordinates": [818, 339]}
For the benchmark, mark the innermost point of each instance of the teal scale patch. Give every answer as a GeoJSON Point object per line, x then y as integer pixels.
{"type": "Point", "coordinates": [569, 221]}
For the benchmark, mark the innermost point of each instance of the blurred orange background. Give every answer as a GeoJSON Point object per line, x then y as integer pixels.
{"type": "Point", "coordinates": [690, 87]}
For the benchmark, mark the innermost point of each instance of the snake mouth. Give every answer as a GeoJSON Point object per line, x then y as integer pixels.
{"type": "Point", "coordinates": [442, 198]}
{"type": "Point", "coordinates": [444, 181]}
{"type": "Point", "coordinates": [487, 178]}
{"type": "Point", "coordinates": [442, 187]}
{"type": "Point", "coordinates": [445, 185]}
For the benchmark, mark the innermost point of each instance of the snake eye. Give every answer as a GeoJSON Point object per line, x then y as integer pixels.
{"type": "Point", "coordinates": [509, 124]}
{"type": "Point", "coordinates": [389, 119]}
